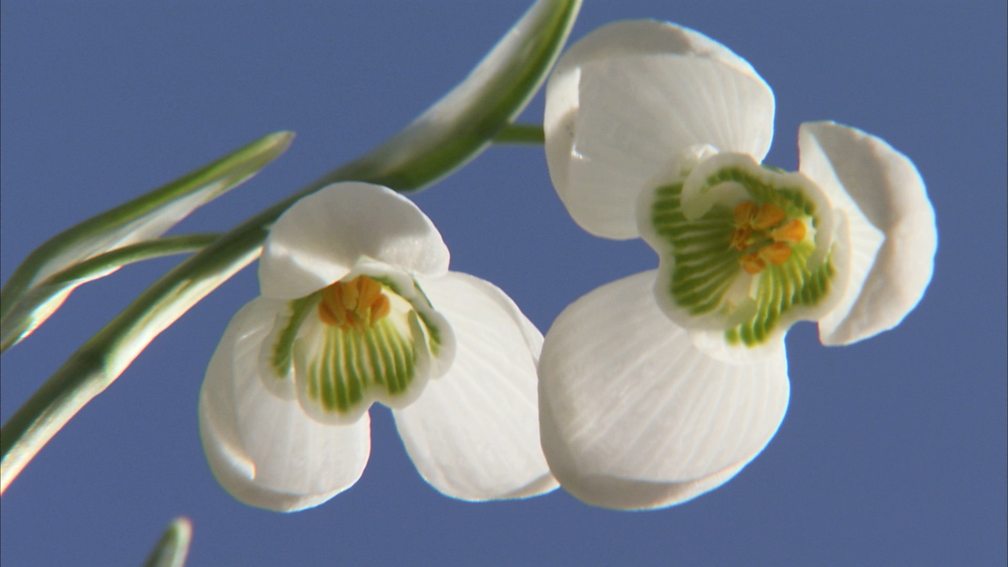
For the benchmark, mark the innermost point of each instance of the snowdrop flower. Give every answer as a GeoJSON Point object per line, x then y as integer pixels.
{"type": "Point", "coordinates": [663, 385]}
{"type": "Point", "coordinates": [358, 306]}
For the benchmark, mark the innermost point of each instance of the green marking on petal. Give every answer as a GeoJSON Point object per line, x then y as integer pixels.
{"type": "Point", "coordinates": [282, 351]}
{"type": "Point", "coordinates": [781, 288]}
{"type": "Point", "coordinates": [370, 342]}
{"type": "Point", "coordinates": [705, 265]}
{"type": "Point", "coordinates": [358, 364]}
{"type": "Point", "coordinates": [748, 255]}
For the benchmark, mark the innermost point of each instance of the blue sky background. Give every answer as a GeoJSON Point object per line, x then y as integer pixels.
{"type": "Point", "coordinates": [893, 451]}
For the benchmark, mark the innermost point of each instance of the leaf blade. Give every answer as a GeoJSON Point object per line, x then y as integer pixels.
{"type": "Point", "coordinates": [145, 217]}
{"type": "Point", "coordinates": [36, 304]}
{"type": "Point", "coordinates": [173, 547]}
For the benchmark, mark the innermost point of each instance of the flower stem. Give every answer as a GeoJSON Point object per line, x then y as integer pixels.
{"type": "Point", "coordinates": [520, 134]}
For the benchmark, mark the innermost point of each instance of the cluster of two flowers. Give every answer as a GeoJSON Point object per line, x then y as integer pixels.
{"type": "Point", "coordinates": [653, 131]}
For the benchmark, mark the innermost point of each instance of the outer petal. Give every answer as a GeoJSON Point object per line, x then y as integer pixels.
{"type": "Point", "coordinates": [633, 415]}
{"type": "Point", "coordinates": [320, 239]}
{"type": "Point", "coordinates": [474, 432]}
{"type": "Point", "coordinates": [262, 448]}
{"type": "Point", "coordinates": [884, 186]}
{"type": "Point", "coordinates": [630, 97]}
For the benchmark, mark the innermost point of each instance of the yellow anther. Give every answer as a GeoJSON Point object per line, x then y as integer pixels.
{"type": "Point", "coordinates": [764, 235]}
{"type": "Point", "coordinates": [792, 231]}
{"type": "Point", "coordinates": [752, 263]}
{"type": "Point", "coordinates": [744, 213]}
{"type": "Point", "coordinates": [353, 304]}
{"type": "Point", "coordinates": [776, 253]}
{"type": "Point", "coordinates": [740, 238]}
{"type": "Point", "coordinates": [767, 216]}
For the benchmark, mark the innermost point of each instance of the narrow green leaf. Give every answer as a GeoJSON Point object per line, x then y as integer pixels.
{"type": "Point", "coordinates": [445, 137]}
{"type": "Point", "coordinates": [45, 297]}
{"type": "Point", "coordinates": [465, 121]}
{"type": "Point", "coordinates": [143, 218]}
{"type": "Point", "coordinates": [173, 547]}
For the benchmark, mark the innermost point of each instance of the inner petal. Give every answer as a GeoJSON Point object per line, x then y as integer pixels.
{"type": "Point", "coordinates": [741, 248]}
{"type": "Point", "coordinates": [367, 337]}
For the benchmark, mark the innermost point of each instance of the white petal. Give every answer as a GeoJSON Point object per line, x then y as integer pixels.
{"type": "Point", "coordinates": [616, 492]}
{"type": "Point", "coordinates": [886, 188]}
{"type": "Point", "coordinates": [235, 472]}
{"type": "Point", "coordinates": [322, 237]}
{"type": "Point", "coordinates": [633, 415]}
{"type": "Point", "coordinates": [627, 99]}
{"type": "Point", "coordinates": [474, 432]}
{"type": "Point", "coordinates": [262, 448]}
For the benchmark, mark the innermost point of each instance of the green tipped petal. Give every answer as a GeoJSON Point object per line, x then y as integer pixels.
{"type": "Point", "coordinates": [341, 354]}
{"type": "Point", "coordinates": [744, 250]}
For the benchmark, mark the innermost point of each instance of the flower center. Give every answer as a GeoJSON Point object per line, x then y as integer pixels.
{"type": "Point", "coordinates": [356, 304]}
{"type": "Point", "coordinates": [764, 234]}
{"type": "Point", "coordinates": [741, 247]}
{"type": "Point", "coordinates": [374, 338]}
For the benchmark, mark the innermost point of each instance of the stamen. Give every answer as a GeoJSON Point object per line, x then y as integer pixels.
{"type": "Point", "coordinates": [776, 253]}
{"type": "Point", "coordinates": [752, 263]}
{"type": "Point", "coordinates": [744, 213]}
{"type": "Point", "coordinates": [793, 231]}
{"type": "Point", "coordinates": [740, 238]}
{"type": "Point", "coordinates": [356, 304]}
{"type": "Point", "coordinates": [768, 215]}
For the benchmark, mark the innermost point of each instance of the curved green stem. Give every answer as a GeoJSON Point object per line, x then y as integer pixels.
{"type": "Point", "coordinates": [521, 134]}
{"type": "Point", "coordinates": [446, 136]}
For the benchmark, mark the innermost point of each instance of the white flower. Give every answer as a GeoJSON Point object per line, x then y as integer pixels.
{"type": "Point", "coordinates": [663, 385]}
{"type": "Point", "coordinates": [358, 306]}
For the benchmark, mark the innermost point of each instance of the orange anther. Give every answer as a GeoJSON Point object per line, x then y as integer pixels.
{"type": "Point", "coordinates": [353, 304]}
{"type": "Point", "coordinates": [768, 216]}
{"type": "Point", "coordinates": [744, 213]}
{"type": "Point", "coordinates": [740, 238]}
{"type": "Point", "coordinates": [776, 253]}
{"type": "Point", "coordinates": [792, 231]}
{"type": "Point", "coordinates": [752, 263]}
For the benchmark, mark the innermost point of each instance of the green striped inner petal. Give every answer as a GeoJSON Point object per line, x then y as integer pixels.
{"type": "Point", "coordinates": [352, 364]}
{"type": "Point", "coordinates": [338, 368]}
{"type": "Point", "coordinates": [280, 356]}
{"type": "Point", "coordinates": [704, 265]}
{"type": "Point", "coordinates": [707, 278]}
{"type": "Point", "coordinates": [780, 288]}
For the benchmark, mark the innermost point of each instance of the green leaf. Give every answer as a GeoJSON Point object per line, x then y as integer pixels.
{"type": "Point", "coordinates": [173, 547]}
{"type": "Point", "coordinates": [45, 297]}
{"type": "Point", "coordinates": [461, 124]}
{"type": "Point", "coordinates": [141, 219]}
{"type": "Point", "coordinates": [453, 131]}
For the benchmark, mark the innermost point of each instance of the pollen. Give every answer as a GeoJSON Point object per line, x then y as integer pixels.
{"type": "Point", "coordinates": [752, 263]}
{"type": "Point", "coordinates": [791, 231]}
{"type": "Point", "coordinates": [764, 235]}
{"type": "Point", "coordinates": [776, 253]}
{"type": "Point", "coordinates": [744, 213]}
{"type": "Point", "coordinates": [354, 304]}
{"type": "Point", "coordinates": [769, 215]}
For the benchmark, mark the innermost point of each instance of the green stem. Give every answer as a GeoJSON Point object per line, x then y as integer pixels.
{"type": "Point", "coordinates": [443, 138]}
{"type": "Point", "coordinates": [521, 134]}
